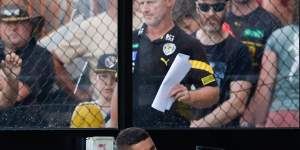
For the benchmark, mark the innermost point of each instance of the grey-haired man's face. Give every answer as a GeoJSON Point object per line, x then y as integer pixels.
{"type": "Point", "coordinates": [153, 11]}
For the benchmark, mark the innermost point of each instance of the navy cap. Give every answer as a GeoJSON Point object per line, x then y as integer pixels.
{"type": "Point", "coordinates": [107, 62]}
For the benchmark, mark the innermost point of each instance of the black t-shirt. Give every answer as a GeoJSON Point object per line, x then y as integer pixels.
{"type": "Point", "coordinates": [151, 61]}
{"type": "Point", "coordinates": [254, 30]}
{"type": "Point", "coordinates": [231, 61]}
{"type": "Point", "coordinates": [37, 72]}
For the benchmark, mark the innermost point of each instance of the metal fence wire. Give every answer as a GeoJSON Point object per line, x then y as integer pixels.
{"type": "Point", "coordinates": [268, 29]}
{"type": "Point", "coordinates": [59, 61]}
{"type": "Point", "coordinates": [68, 69]}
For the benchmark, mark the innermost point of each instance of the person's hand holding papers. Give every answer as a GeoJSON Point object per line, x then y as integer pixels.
{"type": "Point", "coordinates": [180, 93]}
{"type": "Point", "coordinates": [180, 67]}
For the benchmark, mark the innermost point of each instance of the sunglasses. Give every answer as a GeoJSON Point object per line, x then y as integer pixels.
{"type": "Point", "coordinates": [218, 7]}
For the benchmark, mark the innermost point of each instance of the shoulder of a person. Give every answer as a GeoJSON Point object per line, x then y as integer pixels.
{"type": "Point", "coordinates": [284, 34]}
{"type": "Point", "coordinates": [269, 16]}
{"type": "Point", "coordinates": [189, 43]}
{"type": "Point", "coordinates": [135, 32]}
{"type": "Point", "coordinates": [186, 38]}
{"type": "Point", "coordinates": [286, 30]}
{"type": "Point", "coordinates": [42, 51]}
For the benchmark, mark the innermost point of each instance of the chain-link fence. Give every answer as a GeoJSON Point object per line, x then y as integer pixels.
{"type": "Point", "coordinates": [67, 78]}
{"type": "Point", "coordinates": [58, 57]}
{"type": "Point", "coordinates": [252, 46]}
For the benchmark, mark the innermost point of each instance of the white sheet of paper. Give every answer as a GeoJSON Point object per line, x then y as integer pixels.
{"type": "Point", "coordinates": [176, 73]}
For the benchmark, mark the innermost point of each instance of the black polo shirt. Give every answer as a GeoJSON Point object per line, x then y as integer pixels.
{"type": "Point", "coordinates": [151, 62]}
{"type": "Point", "coordinates": [37, 72]}
{"type": "Point", "coordinates": [254, 30]}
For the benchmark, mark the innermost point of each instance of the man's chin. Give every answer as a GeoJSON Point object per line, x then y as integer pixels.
{"type": "Point", "coordinates": [211, 29]}
{"type": "Point", "coordinates": [151, 23]}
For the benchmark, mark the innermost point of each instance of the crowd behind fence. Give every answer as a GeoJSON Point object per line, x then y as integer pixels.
{"type": "Point", "coordinates": [68, 69]}
{"type": "Point", "coordinates": [69, 78]}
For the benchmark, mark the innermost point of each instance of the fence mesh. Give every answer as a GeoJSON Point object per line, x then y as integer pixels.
{"type": "Point", "coordinates": [270, 31]}
{"type": "Point", "coordinates": [68, 79]}
{"type": "Point", "coordinates": [70, 63]}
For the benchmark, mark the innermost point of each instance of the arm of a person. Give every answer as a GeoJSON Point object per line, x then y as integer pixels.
{"type": "Point", "coordinates": [23, 92]}
{"type": "Point", "coordinates": [64, 80]}
{"type": "Point", "coordinates": [8, 92]}
{"type": "Point", "coordinates": [114, 108]}
{"type": "Point", "coordinates": [204, 97]}
{"type": "Point", "coordinates": [201, 98]}
{"type": "Point", "coordinates": [262, 98]}
{"type": "Point", "coordinates": [230, 109]}
{"type": "Point", "coordinates": [14, 91]}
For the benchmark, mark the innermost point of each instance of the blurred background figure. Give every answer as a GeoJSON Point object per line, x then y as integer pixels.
{"type": "Point", "coordinates": [252, 25]}
{"type": "Point", "coordinates": [282, 9]}
{"type": "Point", "coordinates": [103, 85]}
{"type": "Point", "coordinates": [185, 16]}
{"type": "Point", "coordinates": [84, 41]}
{"type": "Point", "coordinates": [276, 100]}
{"type": "Point", "coordinates": [137, 17]}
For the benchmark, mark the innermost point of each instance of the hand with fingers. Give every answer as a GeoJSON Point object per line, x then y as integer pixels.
{"type": "Point", "coordinates": [10, 69]}
{"type": "Point", "coordinates": [11, 66]}
{"type": "Point", "coordinates": [181, 93]}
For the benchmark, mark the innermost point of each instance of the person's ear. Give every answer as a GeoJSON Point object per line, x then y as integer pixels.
{"type": "Point", "coordinates": [93, 77]}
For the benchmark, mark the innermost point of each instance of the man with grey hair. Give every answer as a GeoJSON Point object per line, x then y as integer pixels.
{"type": "Point", "coordinates": [155, 46]}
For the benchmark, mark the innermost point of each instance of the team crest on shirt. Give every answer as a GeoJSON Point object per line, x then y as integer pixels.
{"type": "Point", "coordinates": [169, 48]}
{"type": "Point", "coordinates": [170, 37]}
{"type": "Point", "coordinates": [141, 31]}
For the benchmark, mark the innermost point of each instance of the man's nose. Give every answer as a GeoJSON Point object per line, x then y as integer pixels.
{"type": "Point", "coordinates": [211, 12]}
{"type": "Point", "coordinates": [144, 8]}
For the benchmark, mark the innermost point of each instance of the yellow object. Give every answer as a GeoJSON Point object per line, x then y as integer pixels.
{"type": "Point", "coordinates": [87, 115]}
{"type": "Point", "coordinates": [196, 64]}
{"type": "Point", "coordinates": [208, 79]}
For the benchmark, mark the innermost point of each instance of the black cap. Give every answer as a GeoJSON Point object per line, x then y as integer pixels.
{"type": "Point", "coordinates": [107, 62]}
{"type": "Point", "coordinates": [12, 13]}
{"type": "Point", "coordinates": [16, 13]}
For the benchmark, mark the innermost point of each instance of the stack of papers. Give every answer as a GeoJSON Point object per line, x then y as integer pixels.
{"type": "Point", "coordinates": [178, 70]}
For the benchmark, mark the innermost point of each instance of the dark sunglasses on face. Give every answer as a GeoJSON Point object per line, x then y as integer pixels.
{"type": "Point", "coordinates": [218, 7]}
